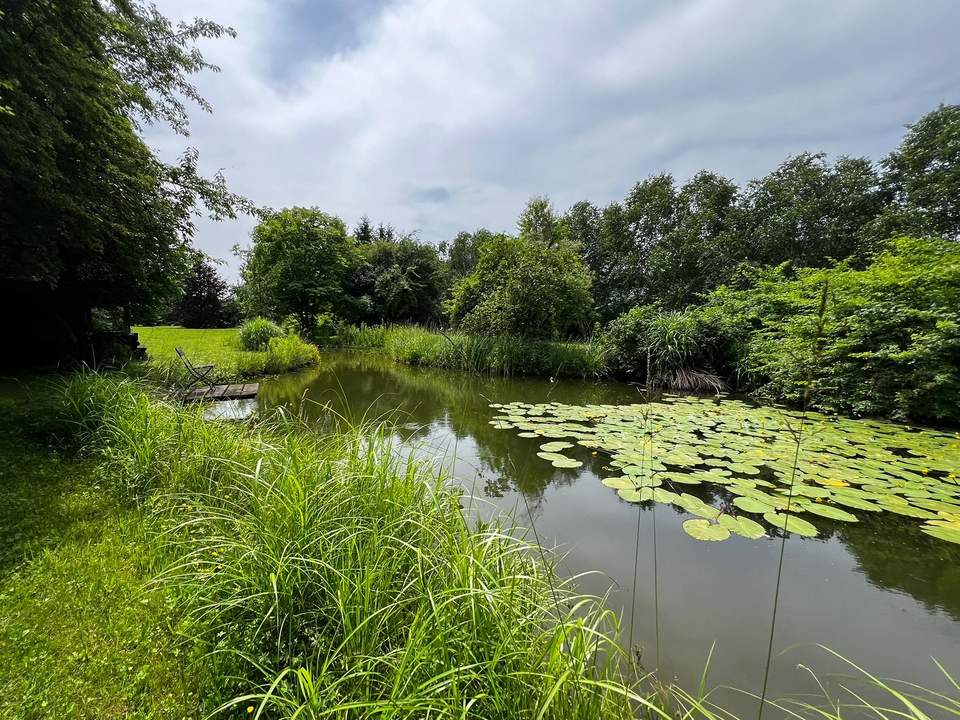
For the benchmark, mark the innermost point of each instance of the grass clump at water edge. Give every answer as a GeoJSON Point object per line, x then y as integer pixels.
{"type": "Point", "coordinates": [491, 355]}
{"type": "Point", "coordinates": [342, 579]}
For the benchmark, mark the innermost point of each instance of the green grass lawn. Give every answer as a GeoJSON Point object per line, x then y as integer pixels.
{"type": "Point", "coordinates": [222, 348]}
{"type": "Point", "coordinates": [80, 634]}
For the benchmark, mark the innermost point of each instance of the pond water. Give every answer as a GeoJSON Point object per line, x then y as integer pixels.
{"type": "Point", "coordinates": [879, 591]}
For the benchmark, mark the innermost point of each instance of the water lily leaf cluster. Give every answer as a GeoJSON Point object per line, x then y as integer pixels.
{"type": "Point", "coordinates": [793, 470]}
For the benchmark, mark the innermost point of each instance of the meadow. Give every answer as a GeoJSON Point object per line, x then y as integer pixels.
{"type": "Point", "coordinates": [220, 346]}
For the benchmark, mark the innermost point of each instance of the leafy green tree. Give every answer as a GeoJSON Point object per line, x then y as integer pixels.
{"type": "Point", "coordinates": [923, 175]}
{"type": "Point", "coordinates": [204, 303]}
{"type": "Point", "coordinates": [700, 249]}
{"type": "Point", "coordinates": [809, 212]}
{"type": "Point", "coordinates": [298, 265]}
{"type": "Point", "coordinates": [462, 252]}
{"type": "Point", "coordinates": [539, 222]}
{"type": "Point", "coordinates": [398, 281]}
{"type": "Point", "coordinates": [524, 287]}
{"type": "Point", "coordinates": [89, 217]}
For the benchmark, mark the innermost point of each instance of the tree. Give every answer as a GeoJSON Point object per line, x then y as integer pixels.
{"type": "Point", "coordinates": [810, 213]}
{"type": "Point", "coordinates": [700, 249]}
{"type": "Point", "coordinates": [297, 265]}
{"type": "Point", "coordinates": [462, 252]}
{"type": "Point", "coordinates": [398, 281]}
{"type": "Point", "coordinates": [89, 217]}
{"type": "Point", "coordinates": [524, 287]}
{"type": "Point", "coordinates": [538, 222]}
{"type": "Point", "coordinates": [205, 297]}
{"type": "Point", "coordinates": [363, 233]}
{"type": "Point", "coordinates": [923, 175]}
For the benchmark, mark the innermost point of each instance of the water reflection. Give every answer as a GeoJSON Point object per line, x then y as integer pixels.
{"type": "Point", "coordinates": [878, 590]}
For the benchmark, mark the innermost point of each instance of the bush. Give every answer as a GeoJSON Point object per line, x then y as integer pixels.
{"type": "Point", "coordinates": [525, 288]}
{"type": "Point", "coordinates": [887, 341]}
{"type": "Point", "coordinates": [675, 349]}
{"type": "Point", "coordinates": [255, 334]}
{"type": "Point", "coordinates": [289, 353]}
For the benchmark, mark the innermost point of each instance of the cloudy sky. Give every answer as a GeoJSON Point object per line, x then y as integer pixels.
{"type": "Point", "coordinates": [440, 115]}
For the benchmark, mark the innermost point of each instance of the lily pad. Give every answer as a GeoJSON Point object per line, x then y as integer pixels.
{"type": "Point", "coordinates": [791, 523]}
{"type": "Point", "coordinates": [700, 529]}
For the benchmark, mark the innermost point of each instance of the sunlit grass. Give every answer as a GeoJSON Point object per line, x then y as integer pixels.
{"type": "Point", "coordinates": [343, 578]}
{"type": "Point", "coordinates": [79, 636]}
{"type": "Point", "coordinates": [222, 348]}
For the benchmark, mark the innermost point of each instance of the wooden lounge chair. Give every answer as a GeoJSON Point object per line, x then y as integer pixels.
{"type": "Point", "coordinates": [199, 373]}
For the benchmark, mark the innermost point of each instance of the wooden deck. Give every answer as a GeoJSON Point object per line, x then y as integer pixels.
{"type": "Point", "coordinates": [223, 392]}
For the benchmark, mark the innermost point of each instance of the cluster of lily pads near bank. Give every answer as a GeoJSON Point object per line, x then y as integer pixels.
{"type": "Point", "coordinates": [789, 467]}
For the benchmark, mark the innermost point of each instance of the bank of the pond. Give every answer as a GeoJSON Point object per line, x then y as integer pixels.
{"type": "Point", "coordinates": [81, 634]}
{"type": "Point", "coordinates": [168, 566]}
{"type": "Point", "coordinates": [345, 578]}
{"type": "Point", "coordinates": [500, 355]}
{"type": "Point", "coordinates": [220, 347]}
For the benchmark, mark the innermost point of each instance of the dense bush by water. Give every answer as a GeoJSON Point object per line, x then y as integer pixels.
{"type": "Point", "coordinates": [255, 334]}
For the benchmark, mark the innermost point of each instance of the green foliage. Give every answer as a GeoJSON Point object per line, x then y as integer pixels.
{"type": "Point", "coordinates": [501, 355]}
{"type": "Point", "coordinates": [255, 334]}
{"type": "Point", "coordinates": [340, 573]}
{"type": "Point", "coordinates": [923, 174]}
{"type": "Point", "coordinates": [83, 76]}
{"type": "Point", "coordinates": [287, 353]}
{"type": "Point", "coordinates": [524, 287]}
{"type": "Point", "coordinates": [809, 212]}
{"type": "Point", "coordinates": [204, 300]}
{"type": "Point", "coordinates": [396, 281]}
{"type": "Point", "coordinates": [298, 265]}
{"type": "Point", "coordinates": [463, 252]}
{"type": "Point", "coordinates": [223, 349]}
{"type": "Point", "coordinates": [667, 348]}
{"type": "Point", "coordinates": [888, 343]}
{"type": "Point", "coordinates": [74, 609]}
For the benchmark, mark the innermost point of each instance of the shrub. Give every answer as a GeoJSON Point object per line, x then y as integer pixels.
{"type": "Point", "coordinates": [524, 287]}
{"type": "Point", "coordinates": [255, 334]}
{"type": "Point", "coordinates": [289, 353]}
{"type": "Point", "coordinates": [886, 343]}
{"type": "Point", "coordinates": [667, 348]}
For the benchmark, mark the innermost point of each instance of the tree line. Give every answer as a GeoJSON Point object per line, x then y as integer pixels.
{"type": "Point", "coordinates": [665, 244]}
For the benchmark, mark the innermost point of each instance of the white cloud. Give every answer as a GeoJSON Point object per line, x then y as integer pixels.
{"type": "Point", "coordinates": [440, 115]}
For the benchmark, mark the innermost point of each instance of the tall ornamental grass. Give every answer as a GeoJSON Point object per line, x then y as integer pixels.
{"type": "Point", "coordinates": [335, 578]}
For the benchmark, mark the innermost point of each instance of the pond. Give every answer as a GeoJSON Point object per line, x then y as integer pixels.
{"type": "Point", "coordinates": [880, 590]}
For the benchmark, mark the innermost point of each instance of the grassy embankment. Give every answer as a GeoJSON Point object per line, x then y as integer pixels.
{"type": "Point", "coordinates": [176, 566]}
{"type": "Point", "coordinates": [482, 355]}
{"type": "Point", "coordinates": [222, 348]}
{"type": "Point", "coordinates": [80, 634]}
{"type": "Point", "coordinates": [328, 574]}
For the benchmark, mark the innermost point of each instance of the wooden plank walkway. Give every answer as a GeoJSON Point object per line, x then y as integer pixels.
{"type": "Point", "coordinates": [223, 392]}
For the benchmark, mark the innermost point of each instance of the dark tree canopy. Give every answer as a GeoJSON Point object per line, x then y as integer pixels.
{"type": "Point", "coordinates": [87, 212]}
{"type": "Point", "coordinates": [398, 281]}
{"type": "Point", "coordinates": [204, 303]}
{"type": "Point", "coordinates": [810, 212]}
